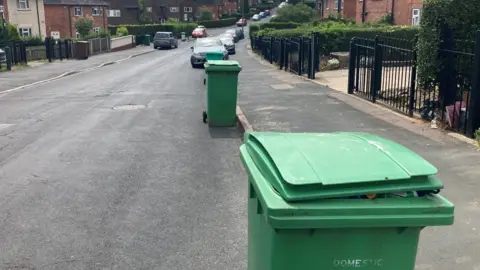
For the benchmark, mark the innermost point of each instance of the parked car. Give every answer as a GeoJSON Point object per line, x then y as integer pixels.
{"type": "Point", "coordinates": [165, 40]}
{"type": "Point", "coordinates": [262, 15]}
{"type": "Point", "coordinates": [255, 17]}
{"type": "Point", "coordinates": [240, 33]}
{"type": "Point", "coordinates": [199, 32]}
{"type": "Point", "coordinates": [267, 12]}
{"type": "Point", "coordinates": [3, 56]}
{"type": "Point", "coordinates": [204, 45]}
{"type": "Point", "coordinates": [242, 22]}
{"type": "Point", "coordinates": [233, 33]}
{"type": "Point", "coordinates": [228, 43]}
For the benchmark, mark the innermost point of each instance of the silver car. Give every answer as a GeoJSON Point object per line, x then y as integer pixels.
{"type": "Point", "coordinates": [228, 43]}
{"type": "Point", "coordinates": [3, 56]}
{"type": "Point", "coordinates": [204, 45]}
{"type": "Point", "coordinates": [165, 40]}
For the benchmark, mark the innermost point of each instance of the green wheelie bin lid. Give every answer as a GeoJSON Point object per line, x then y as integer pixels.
{"type": "Point", "coordinates": [222, 65]}
{"type": "Point", "coordinates": [304, 166]}
{"type": "Point", "coordinates": [308, 180]}
{"type": "Point", "coordinates": [214, 55]}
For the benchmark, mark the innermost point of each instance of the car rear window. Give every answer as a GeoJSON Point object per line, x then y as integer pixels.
{"type": "Point", "coordinates": [207, 42]}
{"type": "Point", "coordinates": [162, 35]}
{"type": "Point", "coordinates": [198, 30]}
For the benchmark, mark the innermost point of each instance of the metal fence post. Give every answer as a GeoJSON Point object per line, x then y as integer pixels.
{"type": "Point", "coordinates": [377, 70]}
{"type": "Point", "coordinates": [311, 58]}
{"type": "Point", "coordinates": [447, 89]}
{"type": "Point", "coordinates": [316, 49]}
{"type": "Point", "coordinates": [413, 84]}
{"type": "Point", "coordinates": [24, 53]}
{"type": "Point", "coordinates": [8, 55]}
{"type": "Point", "coordinates": [351, 65]}
{"type": "Point", "coordinates": [300, 56]}
{"type": "Point", "coordinates": [60, 50]}
{"type": "Point", "coordinates": [473, 120]}
{"type": "Point", "coordinates": [286, 54]}
{"type": "Point", "coordinates": [271, 50]}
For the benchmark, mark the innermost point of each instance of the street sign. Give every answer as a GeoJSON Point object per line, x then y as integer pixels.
{"type": "Point", "coordinates": [2, 9]}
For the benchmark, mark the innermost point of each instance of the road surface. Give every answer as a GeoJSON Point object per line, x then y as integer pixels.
{"type": "Point", "coordinates": [114, 169]}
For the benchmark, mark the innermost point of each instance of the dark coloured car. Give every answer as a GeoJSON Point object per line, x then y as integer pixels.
{"type": "Point", "coordinates": [228, 43]}
{"type": "Point", "coordinates": [240, 33]}
{"type": "Point", "coordinates": [234, 34]}
{"type": "Point", "coordinates": [165, 40]}
{"type": "Point", "coordinates": [204, 45]}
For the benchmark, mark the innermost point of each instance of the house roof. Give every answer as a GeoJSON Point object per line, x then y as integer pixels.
{"type": "Point", "coordinates": [76, 2]}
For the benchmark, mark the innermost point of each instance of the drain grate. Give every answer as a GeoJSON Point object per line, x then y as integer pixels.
{"type": "Point", "coordinates": [129, 107]}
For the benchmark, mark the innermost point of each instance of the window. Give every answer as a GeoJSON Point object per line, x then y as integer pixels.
{"type": "Point", "coordinates": [187, 9]}
{"type": "Point", "coordinates": [96, 30]}
{"type": "Point", "coordinates": [173, 9]}
{"type": "Point", "coordinates": [149, 9]}
{"type": "Point", "coordinates": [185, 17]}
{"type": "Point", "coordinates": [114, 13]}
{"type": "Point", "coordinates": [25, 32]}
{"type": "Point", "coordinates": [22, 4]}
{"type": "Point", "coordinates": [335, 4]}
{"type": "Point", "coordinates": [97, 11]}
{"type": "Point", "coordinates": [326, 4]}
{"type": "Point", "coordinates": [77, 11]}
{"type": "Point", "coordinates": [416, 16]}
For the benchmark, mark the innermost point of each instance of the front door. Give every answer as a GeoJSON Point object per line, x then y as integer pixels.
{"type": "Point", "coordinates": [416, 16]}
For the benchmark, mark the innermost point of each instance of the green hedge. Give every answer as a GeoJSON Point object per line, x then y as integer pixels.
{"type": "Point", "coordinates": [461, 16]}
{"type": "Point", "coordinates": [218, 23]}
{"type": "Point", "coordinates": [254, 28]}
{"type": "Point", "coordinates": [338, 39]}
{"type": "Point", "coordinates": [151, 29]}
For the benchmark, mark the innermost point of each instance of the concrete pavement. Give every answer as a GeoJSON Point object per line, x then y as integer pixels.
{"type": "Point", "coordinates": [85, 184]}
{"type": "Point", "coordinates": [274, 100]}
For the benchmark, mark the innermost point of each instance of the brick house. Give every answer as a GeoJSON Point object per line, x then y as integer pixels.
{"type": "Point", "coordinates": [4, 3]}
{"type": "Point", "coordinates": [27, 15]}
{"type": "Point", "coordinates": [327, 7]}
{"type": "Point", "coordinates": [404, 12]}
{"type": "Point", "coordinates": [124, 12]}
{"type": "Point", "coordinates": [161, 10]}
{"type": "Point", "coordinates": [60, 15]}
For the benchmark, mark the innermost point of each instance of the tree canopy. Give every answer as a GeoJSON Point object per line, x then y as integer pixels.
{"type": "Point", "coordinates": [300, 13]}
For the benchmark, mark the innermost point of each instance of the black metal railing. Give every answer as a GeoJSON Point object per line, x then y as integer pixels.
{"type": "Point", "coordinates": [385, 70]}
{"type": "Point", "coordinates": [298, 55]}
{"type": "Point", "coordinates": [58, 49]}
{"type": "Point", "coordinates": [15, 54]}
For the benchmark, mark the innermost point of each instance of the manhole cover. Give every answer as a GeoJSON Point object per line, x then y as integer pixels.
{"type": "Point", "coordinates": [129, 107]}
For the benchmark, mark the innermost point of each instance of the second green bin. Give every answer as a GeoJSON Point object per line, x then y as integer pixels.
{"type": "Point", "coordinates": [337, 201]}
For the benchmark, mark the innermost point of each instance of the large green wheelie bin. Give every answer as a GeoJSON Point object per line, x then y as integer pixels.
{"type": "Point", "coordinates": [337, 201]}
{"type": "Point", "coordinates": [222, 88]}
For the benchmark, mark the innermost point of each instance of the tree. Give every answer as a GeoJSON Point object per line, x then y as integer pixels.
{"type": "Point", "coordinates": [299, 13]}
{"type": "Point", "coordinates": [8, 34]}
{"type": "Point", "coordinates": [84, 26]}
{"type": "Point", "coordinates": [205, 14]}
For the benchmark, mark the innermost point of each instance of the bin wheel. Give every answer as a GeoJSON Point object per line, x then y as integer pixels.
{"type": "Point", "coordinates": [204, 115]}
{"type": "Point", "coordinates": [204, 81]}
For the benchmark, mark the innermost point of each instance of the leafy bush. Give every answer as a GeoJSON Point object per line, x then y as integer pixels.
{"type": "Point", "coordinates": [10, 35]}
{"type": "Point", "coordinates": [218, 23]}
{"type": "Point", "coordinates": [295, 13]}
{"type": "Point", "coordinates": [338, 38]}
{"type": "Point", "coordinates": [386, 19]}
{"type": "Point", "coordinates": [33, 41]}
{"type": "Point", "coordinates": [461, 16]}
{"type": "Point", "coordinates": [122, 31]}
{"type": "Point", "coordinates": [254, 28]}
{"type": "Point", "coordinates": [205, 14]}
{"type": "Point", "coordinates": [84, 26]}
{"type": "Point", "coordinates": [151, 29]}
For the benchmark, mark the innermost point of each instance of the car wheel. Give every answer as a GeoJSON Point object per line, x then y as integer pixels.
{"type": "Point", "coordinates": [155, 47]}
{"type": "Point", "coordinates": [193, 65]}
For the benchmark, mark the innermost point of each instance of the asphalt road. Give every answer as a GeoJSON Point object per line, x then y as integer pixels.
{"type": "Point", "coordinates": [86, 186]}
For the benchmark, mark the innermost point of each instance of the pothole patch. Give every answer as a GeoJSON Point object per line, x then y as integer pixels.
{"type": "Point", "coordinates": [129, 107]}
{"type": "Point", "coordinates": [281, 86]}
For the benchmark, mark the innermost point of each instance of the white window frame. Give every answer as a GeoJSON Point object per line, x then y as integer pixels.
{"type": "Point", "coordinates": [335, 3]}
{"type": "Point", "coordinates": [26, 5]}
{"type": "Point", "coordinates": [148, 9]}
{"type": "Point", "coordinates": [25, 32]}
{"type": "Point", "coordinates": [96, 30]}
{"type": "Point", "coordinates": [77, 11]}
{"type": "Point", "coordinates": [187, 9]}
{"type": "Point", "coordinates": [174, 9]}
{"type": "Point", "coordinates": [114, 13]}
{"type": "Point", "coordinates": [185, 17]}
{"type": "Point", "coordinates": [416, 18]}
{"type": "Point", "coordinates": [326, 4]}
{"type": "Point", "coordinates": [97, 11]}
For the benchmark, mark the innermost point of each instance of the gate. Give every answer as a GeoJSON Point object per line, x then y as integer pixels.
{"type": "Point", "coordinates": [361, 73]}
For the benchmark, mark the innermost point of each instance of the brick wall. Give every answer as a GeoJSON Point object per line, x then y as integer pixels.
{"type": "Point", "coordinates": [62, 19]}
{"type": "Point", "coordinates": [230, 6]}
{"type": "Point", "coordinates": [213, 9]}
{"type": "Point", "coordinates": [348, 10]}
{"type": "Point", "coordinates": [377, 8]}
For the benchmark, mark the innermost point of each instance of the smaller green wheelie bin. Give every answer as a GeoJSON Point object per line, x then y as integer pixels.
{"type": "Point", "coordinates": [213, 55]}
{"type": "Point", "coordinates": [222, 87]}
{"type": "Point", "coordinates": [337, 201]}
{"type": "Point", "coordinates": [146, 40]}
